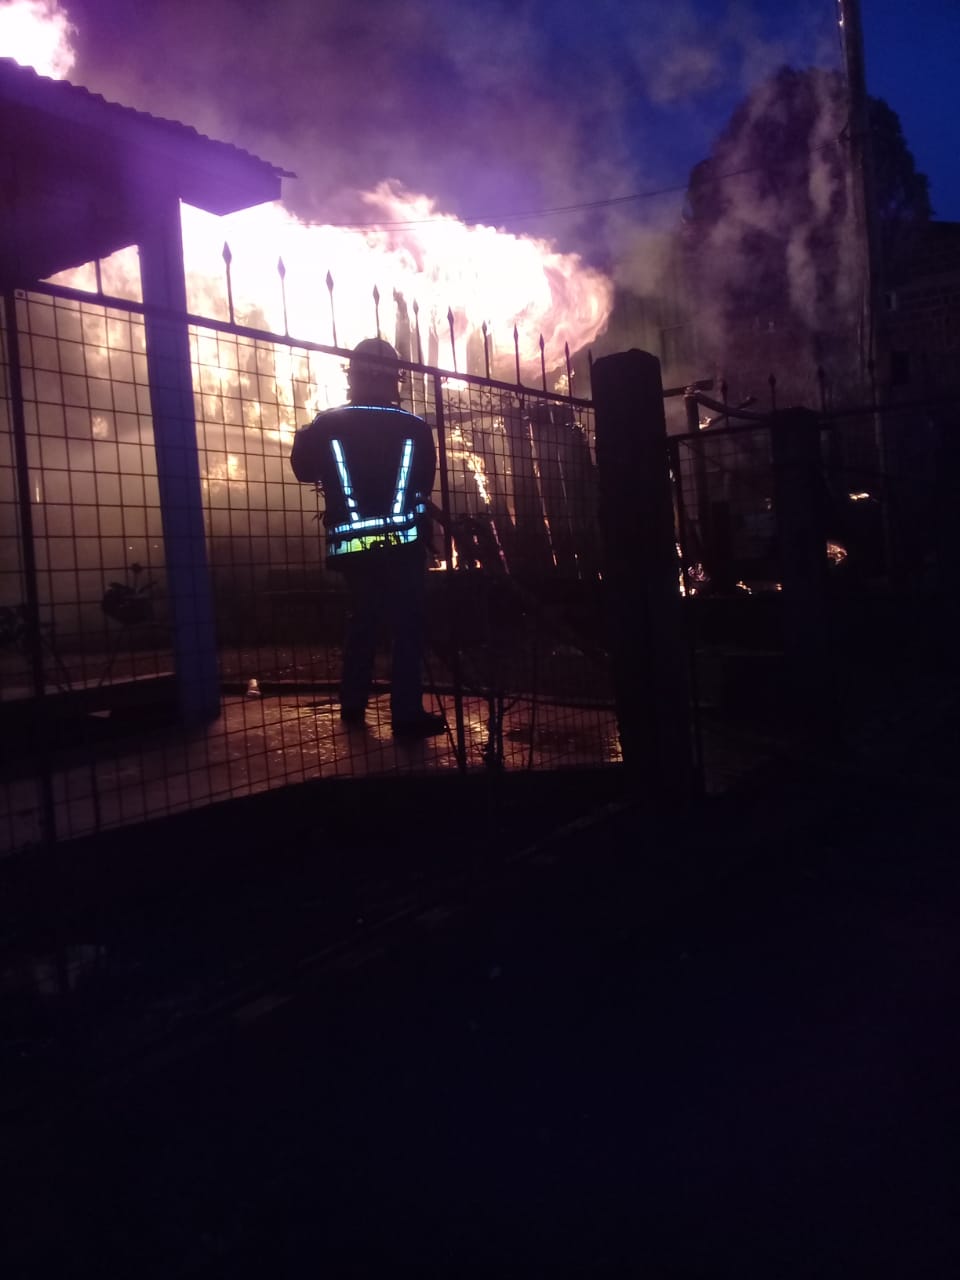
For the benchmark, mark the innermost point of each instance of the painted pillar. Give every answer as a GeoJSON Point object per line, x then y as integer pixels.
{"type": "Point", "coordinates": [641, 577]}
{"type": "Point", "coordinates": [188, 584]}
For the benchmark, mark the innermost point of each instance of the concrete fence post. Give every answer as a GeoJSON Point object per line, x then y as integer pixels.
{"type": "Point", "coordinates": [641, 577]}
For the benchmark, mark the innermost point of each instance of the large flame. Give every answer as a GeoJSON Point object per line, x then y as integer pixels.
{"type": "Point", "coordinates": [36, 33]}
{"type": "Point", "coordinates": [417, 255]}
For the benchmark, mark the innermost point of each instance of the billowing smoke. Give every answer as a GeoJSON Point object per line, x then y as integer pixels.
{"type": "Point", "coordinates": [492, 109]}
{"type": "Point", "coordinates": [771, 234]}
{"type": "Point", "coordinates": [542, 118]}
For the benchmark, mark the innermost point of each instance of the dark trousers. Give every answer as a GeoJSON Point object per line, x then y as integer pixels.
{"type": "Point", "coordinates": [386, 593]}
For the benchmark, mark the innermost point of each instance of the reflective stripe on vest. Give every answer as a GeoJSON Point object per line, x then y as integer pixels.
{"type": "Point", "coordinates": [373, 532]}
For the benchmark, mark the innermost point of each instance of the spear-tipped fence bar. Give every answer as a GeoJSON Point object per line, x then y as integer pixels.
{"type": "Point", "coordinates": [453, 337]}
{"type": "Point", "coordinates": [227, 261]}
{"type": "Point", "coordinates": [724, 410]}
{"type": "Point", "coordinates": [282, 273]}
{"type": "Point", "coordinates": [451, 322]}
{"type": "Point", "coordinates": [333, 314]}
{"type": "Point", "coordinates": [416, 326]}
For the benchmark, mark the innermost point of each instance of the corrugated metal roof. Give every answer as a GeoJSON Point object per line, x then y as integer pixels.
{"type": "Point", "coordinates": [71, 101]}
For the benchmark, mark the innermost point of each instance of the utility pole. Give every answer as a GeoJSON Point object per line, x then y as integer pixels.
{"type": "Point", "coordinates": [863, 192]}
{"type": "Point", "coordinates": [861, 178]}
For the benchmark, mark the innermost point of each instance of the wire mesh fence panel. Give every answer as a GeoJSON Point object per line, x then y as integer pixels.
{"type": "Point", "coordinates": [877, 475]}
{"type": "Point", "coordinates": [871, 488]}
{"type": "Point", "coordinates": [724, 486]}
{"type": "Point", "coordinates": [15, 671]}
{"type": "Point", "coordinates": [729, 574]}
{"type": "Point", "coordinates": [520, 581]}
{"type": "Point", "coordinates": [513, 520]}
{"type": "Point", "coordinates": [95, 509]}
{"type": "Point", "coordinates": [92, 696]}
{"type": "Point", "coordinates": [94, 631]}
{"type": "Point", "coordinates": [881, 469]}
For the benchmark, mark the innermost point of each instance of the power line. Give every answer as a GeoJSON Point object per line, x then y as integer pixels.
{"type": "Point", "coordinates": [584, 207]}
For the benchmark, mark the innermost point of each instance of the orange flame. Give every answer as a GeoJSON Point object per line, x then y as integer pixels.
{"type": "Point", "coordinates": [417, 253]}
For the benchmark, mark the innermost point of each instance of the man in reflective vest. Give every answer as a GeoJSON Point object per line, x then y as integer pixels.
{"type": "Point", "coordinates": [375, 465]}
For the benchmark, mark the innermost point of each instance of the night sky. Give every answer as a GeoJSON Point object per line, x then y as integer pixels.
{"type": "Point", "coordinates": [911, 54]}
{"type": "Point", "coordinates": [503, 107]}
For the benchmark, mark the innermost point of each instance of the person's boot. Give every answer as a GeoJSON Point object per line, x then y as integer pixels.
{"type": "Point", "coordinates": [425, 725]}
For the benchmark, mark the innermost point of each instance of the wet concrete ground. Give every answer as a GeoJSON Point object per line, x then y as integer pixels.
{"type": "Point", "coordinates": [725, 1046]}
{"type": "Point", "coordinates": [283, 738]}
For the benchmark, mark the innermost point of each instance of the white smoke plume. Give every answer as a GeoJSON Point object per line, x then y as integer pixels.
{"type": "Point", "coordinates": [773, 240]}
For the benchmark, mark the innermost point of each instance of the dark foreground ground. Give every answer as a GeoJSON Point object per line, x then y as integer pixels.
{"type": "Point", "coordinates": [725, 1045]}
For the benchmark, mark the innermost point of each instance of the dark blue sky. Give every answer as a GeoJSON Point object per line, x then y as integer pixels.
{"type": "Point", "coordinates": [912, 48]}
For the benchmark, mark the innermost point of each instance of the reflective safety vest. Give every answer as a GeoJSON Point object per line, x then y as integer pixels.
{"type": "Point", "coordinates": [360, 532]}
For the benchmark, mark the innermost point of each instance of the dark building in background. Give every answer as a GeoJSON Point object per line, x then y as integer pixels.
{"type": "Point", "coordinates": [921, 321]}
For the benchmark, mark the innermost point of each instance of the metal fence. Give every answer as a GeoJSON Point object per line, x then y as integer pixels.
{"type": "Point", "coordinates": [874, 492]}
{"type": "Point", "coordinates": [88, 651]}
{"type": "Point", "coordinates": [878, 478]}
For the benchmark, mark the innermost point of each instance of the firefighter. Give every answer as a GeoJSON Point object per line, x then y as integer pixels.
{"type": "Point", "coordinates": [375, 465]}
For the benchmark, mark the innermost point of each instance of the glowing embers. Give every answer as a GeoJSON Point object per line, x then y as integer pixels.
{"type": "Point", "coordinates": [694, 579]}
